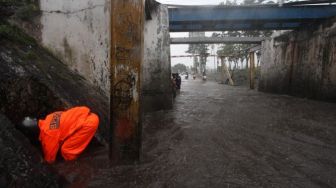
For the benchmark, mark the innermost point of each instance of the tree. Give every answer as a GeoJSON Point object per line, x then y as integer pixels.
{"type": "Point", "coordinates": [200, 52]}
{"type": "Point", "coordinates": [179, 68]}
{"type": "Point", "coordinates": [238, 52]}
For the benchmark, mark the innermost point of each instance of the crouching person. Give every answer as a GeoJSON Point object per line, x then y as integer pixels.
{"type": "Point", "coordinates": [70, 131]}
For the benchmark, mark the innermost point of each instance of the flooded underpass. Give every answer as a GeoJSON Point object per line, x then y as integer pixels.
{"type": "Point", "coordinates": [117, 58]}
{"type": "Point", "coordinates": [223, 136]}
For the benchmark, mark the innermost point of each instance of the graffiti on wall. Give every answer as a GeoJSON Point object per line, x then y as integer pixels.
{"type": "Point", "coordinates": [123, 92]}
{"type": "Point", "coordinates": [126, 60]}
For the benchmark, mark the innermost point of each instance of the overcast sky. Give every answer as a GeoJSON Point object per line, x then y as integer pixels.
{"type": "Point", "coordinates": [180, 49]}
{"type": "Point", "coordinates": [193, 2]}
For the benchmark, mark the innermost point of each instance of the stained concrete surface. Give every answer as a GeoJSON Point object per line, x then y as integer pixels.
{"type": "Point", "coordinates": [223, 136]}
{"type": "Point", "coordinates": [301, 63]}
{"type": "Point", "coordinates": [156, 73]}
{"type": "Point", "coordinates": [35, 83]}
{"type": "Point", "coordinates": [78, 33]}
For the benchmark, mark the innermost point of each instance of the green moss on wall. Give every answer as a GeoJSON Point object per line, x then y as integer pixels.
{"type": "Point", "coordinates": [24, 10]}
{"type": "Point", "coordinates": [27, 12]}
{"type": "Point", "coordinates": [13, 33]}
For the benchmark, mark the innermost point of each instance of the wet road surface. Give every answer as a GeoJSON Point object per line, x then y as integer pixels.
{"type": "Point", "coordinates": [223, 136]}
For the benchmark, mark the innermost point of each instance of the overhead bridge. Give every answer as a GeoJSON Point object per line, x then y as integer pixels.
{"type": "Point", "coordinates": [217, 40]}
{"type": "Point", "coordinates": [226, 18]}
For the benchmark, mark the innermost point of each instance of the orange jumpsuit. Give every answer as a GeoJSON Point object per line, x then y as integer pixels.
{"type": "Point", "coordinates": [72, 130]}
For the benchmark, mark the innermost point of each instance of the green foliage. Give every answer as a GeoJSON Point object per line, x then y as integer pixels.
{"type": "Point", "coordinates": [13, 33]}
{"type": "Point", "coordinates": [19, 2]}
{"type": "Point", "coordinates": [229, 2]}
{"type": "Point", "coordinates": [178, 68]}
{"type": "Point", "coordinates": [10, 2]}
{"type": "Point", "coordinates": [23, 10]}
{"type": "Point", "coordinates": [236, 52]}
{"type": "Point", "coordinates": [198, 49]}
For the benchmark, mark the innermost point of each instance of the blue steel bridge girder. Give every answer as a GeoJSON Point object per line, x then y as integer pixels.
{"type": "Point", "coordinates": [223, 18]}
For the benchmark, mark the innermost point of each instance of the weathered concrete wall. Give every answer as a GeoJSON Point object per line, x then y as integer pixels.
{"type": "Point", "coordinates": [301, 63]}
{"type": "Point", "coordinates": [157, 91]}
{"type": "Point", "coordinates": [34, 83]}
{"type": "Point", "coordinates": [78, 33]}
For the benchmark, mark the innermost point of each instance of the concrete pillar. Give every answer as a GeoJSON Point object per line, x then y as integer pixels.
{"type": "Point", "coordinates": [127, 26]}
{"type": "Point", "coordinates": [157, 88]}
{"type": "Point", "coordinates": [252, 70]}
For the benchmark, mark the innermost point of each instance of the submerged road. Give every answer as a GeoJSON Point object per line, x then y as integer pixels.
{"type": "Point", "coordinates": [223, 136]}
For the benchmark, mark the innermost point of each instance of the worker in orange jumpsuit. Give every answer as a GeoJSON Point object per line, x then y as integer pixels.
{"type": "Point", "coordinates": [70, 130]}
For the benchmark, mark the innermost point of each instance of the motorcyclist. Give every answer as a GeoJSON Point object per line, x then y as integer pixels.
{"type": "Point", "coordinates": [204, 76]}
{"type": "Point", "coordinates": [173, 82]}
{"type": "Point", "coordinates": [178, 81]}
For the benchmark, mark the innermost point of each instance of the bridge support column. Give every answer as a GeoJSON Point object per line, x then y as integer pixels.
{"type": "Point", "coordinates": [252, 70]}
{"type": "Point", "coordinates": [126, 61]}
{"type": "Point", "coordinates": [156, 85]}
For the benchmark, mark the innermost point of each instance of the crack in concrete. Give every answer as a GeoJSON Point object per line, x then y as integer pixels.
{"type": "Point", "coordinates": [72, 12]}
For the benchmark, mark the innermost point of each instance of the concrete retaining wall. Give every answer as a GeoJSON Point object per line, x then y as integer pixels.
{"type": "Point", "coordinates": [78, 33]}
{"type": "Point", "coordinates": [157, 91]}
{"type": "Point", "coordinates": [38, 84]}
{"type": "Point", "coordinates": [301, 63]}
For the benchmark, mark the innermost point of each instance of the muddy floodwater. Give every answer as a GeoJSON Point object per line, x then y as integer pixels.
{"type": "Point", "coordinates": [223, 136]}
